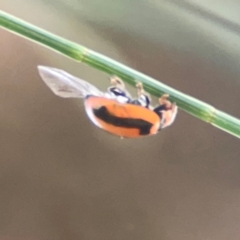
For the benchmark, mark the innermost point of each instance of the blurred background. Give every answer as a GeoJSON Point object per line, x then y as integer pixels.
{"type": "Point", "coordinates": [62, 178]}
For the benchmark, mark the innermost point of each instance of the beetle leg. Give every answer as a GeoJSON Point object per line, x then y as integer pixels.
{"type": "Point", "coordinates": [163, 100]}
{"type": "Point", "coordinates": [117, 90]}
{"type": "Point", "coordinates": [143, 98]}
{"type": "Point", "coordinates": [117, 82]}
{"type": "Point", "coordinates": [117, 86]}
{"type": "Point", "coordinates": [140, 89]}
{"type": "Point", "coordinates": [167, 111]}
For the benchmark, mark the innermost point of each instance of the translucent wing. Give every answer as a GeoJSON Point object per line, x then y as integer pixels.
{"type": "Point", "coordinates": [65, 85]}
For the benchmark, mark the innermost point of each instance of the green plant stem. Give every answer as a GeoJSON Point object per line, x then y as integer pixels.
{"type": "Point", "coordinates": [82, 54]}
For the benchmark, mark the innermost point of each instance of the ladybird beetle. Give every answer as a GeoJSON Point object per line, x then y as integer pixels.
{"type": "Point", "coordinates": [114, 111]}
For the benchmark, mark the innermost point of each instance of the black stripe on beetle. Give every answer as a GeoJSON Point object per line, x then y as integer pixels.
{"type": "Point", "coordinates": [103, 114]}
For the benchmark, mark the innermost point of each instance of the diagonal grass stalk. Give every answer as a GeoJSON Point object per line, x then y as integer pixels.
{"type": "Point", "coordinates": [82, 54]}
